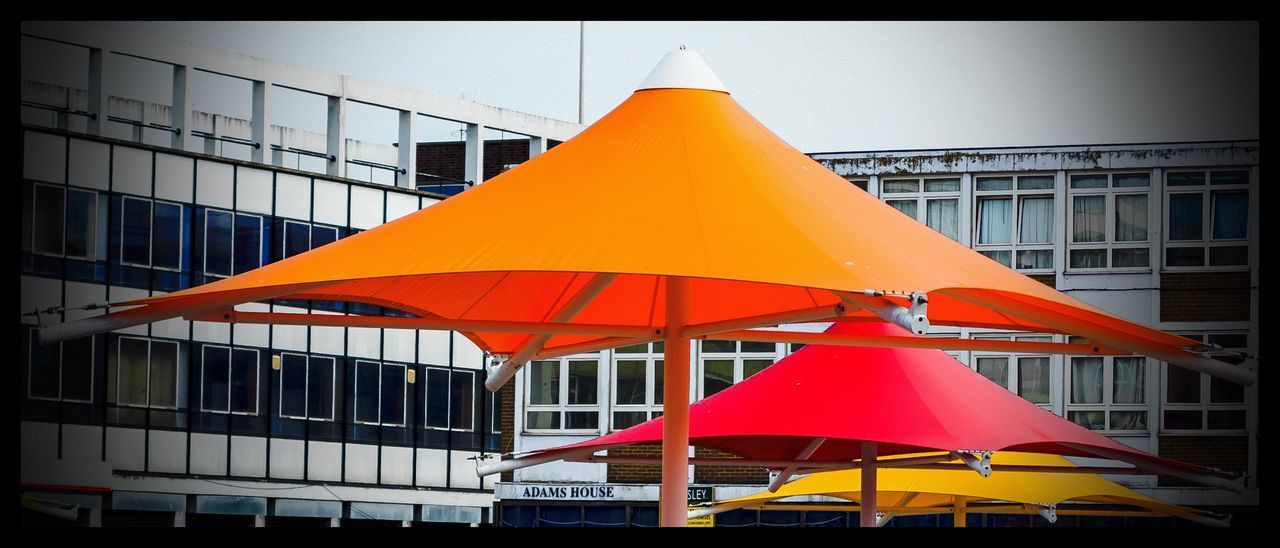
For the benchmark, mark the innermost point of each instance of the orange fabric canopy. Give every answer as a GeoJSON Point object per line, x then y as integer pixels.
{"type": "Point", "coordinates": [672, 182]}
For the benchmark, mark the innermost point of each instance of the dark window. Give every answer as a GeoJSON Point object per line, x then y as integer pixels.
{"type": "Point", "coordinates": [393, 394]}
{"type": "Point", "coordinates": [214, 375]}
{"type": "Point", "coordinates": [437, 398]}
{"type": "Point", "coordinates": [462, 400]}
{"type": "Point", "coordinates": [244, 381]}
{"type": "Point", "coordinates": [166, 236]}
{"type": "Point", "coordinates": [48, 220]}
{"type": "Point", "coordinates": [44, 371]}
{"type": "Point", "coordinates": [366, 391]}
{"type": "Point", "coordinates": [1183, 385]}
{"type": "Point", "coordinates": [297, 238]}
{"type": "Point", "coordinates": [320, 388]}
{"type": "Point", "coordinates": [293, 385]}
{"type": "Point", "coordinates": [217, 243]}
{"type": "Point", "coordinates": [248, 244]}
{"type": "Point", "coordinates": [135, 232]}
{"type": "Point", "coordinates": [1186, 221]}
{"type": "Point", "coordinates": [321, 235]}
{"type": "Point", "coordinates": [82, 209]}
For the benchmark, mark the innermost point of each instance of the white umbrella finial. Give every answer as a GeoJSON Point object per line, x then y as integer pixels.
{"type": "Point", "coordinates": [685, 69]}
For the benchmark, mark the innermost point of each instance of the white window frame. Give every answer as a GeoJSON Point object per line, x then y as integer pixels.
{"type": "Point", "coordinates": [738, 356]}
{"type": "Point", "coordinates": [1108, 394]}
{"type": "Point", "coordinates": [404, 393]}
{"type": "Point", "coordinates": [923, 197]}
{"type": "Point", "coordinates": [93, 349]}
{"type": "Point", "coordinates": [62, 245]}
{"type": "Point", "coordinates": [448, 420]}
{"type": "Point", "coordinates": [651, 407]}
{"type": "Point", "coordinates": [563, 407]}
{"type": "Point", "coordinates": [1109, 242]}
{"type": "Point", "coordinates": [257, 372]}
{"type": "Point", "coordinates": [1206, 219]}
{"type": "Point", "coordinates": [1014, 371]}
{"type": "Point", "coordinates": [1016, 195]}
{"type": "Point", "coordinates": [306, 393]}
{"type": "Point", "coordinates": [1204, 406]}
{"type": "Point", "coordinates": [177, 393]}
{"type": "Point", "coordinates": [234, 214]}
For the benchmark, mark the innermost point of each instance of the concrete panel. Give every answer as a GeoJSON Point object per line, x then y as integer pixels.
{"type": "Point", "coordinates": [309, 508]}
{"type": "Point", "coordinates": [44, 157]}
{"type": "Point", "coordinates": [39, 441]}
{"type": "Point", "coordinates": [462, 471]}
{"type": "Point", "coordinates": [364, 342]}
{"type": "Point", "coordinates": [432, 465]}
{"type": "Point", "coordinates": [253, 190]}
{"type": "Point", "coordinates": [362, 463]}
{"type": "Point", "coordinates": [324, 461]}
{"type": "Point", "coordinates": [293, 197]}
{"type": "Point", "coordinates": [397, 465]}
{"type": "Point", "coordinates": [40, 293]}
{"type": "Point", "coordinates": [289, 337]}
{"type": "Point", "coordinates": [287, 458]}
{"type": "Point", "coordinates": [328, 340]}
{"type": "Point", "coordinates": [433, 347]}
{"type": "Point", "coordinates": [466, 353]}
{"type": "Point", "coordinates": [167, 452]}
{"type": "Point", "coordinates": [81, 443]}
{"type": "Point", "coordinates": [248, 456]}
{"type": "Point", "coordinates": [125, 448]}
{"type": "Point", "coordinates": [366, 207]}
{"type": "Point", "coordinates": [131, 171]}
{"type": "Point", "coordinates": [251, 334]}
{"type": "Point", "coordinates": [399, 205]}
{"type": "Point", "coordinates": [331, 203]}
{"type": "Point", "coordinates": [174, 178]}
{"type": "Point", "coordinates": [174, 328]}
{"type": "Point", "coordinates": [89, 164]}
{"type": "Point", "coordinates": [215, 332]}
{"type": "Point", "coordinates": [428, 202]}
{"type": "Point", "coordinates": [118, 294]}
{"type": "Point", "coordinates": [214, 183]}
{"type": "Point", "coordinates": [81, 294]}
{"type": "Point", "coordinates": [208, 454]}
{"type": "Point", "coordinates": [398, 345]}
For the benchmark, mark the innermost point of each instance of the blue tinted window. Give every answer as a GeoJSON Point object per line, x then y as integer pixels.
{"type": "Point", "coordinates": [136, 232]}
{"type": "Point", "coordinates": [1185, 216]}
{"type": "Point", "coordinates": [82, 208]}
{"type": "Point", "coordinates": [462, 400]}
{"type": "Point", "coordinates": [213, 378]}
{"type": "Point", "coordinates": [437, 398]}
{"type": "Point", "coordinates": [293, 385]}
{"type": "Point", "coordinates": [297, 238]}
{"type": "Point", "coordinates": [320, 388]}
{"type": "Point", "coordinates": [217, 243]}
{"type": "Point", "coordinates": [321, 235]}
{"type": "Point", "coordinates": [366, 391]}
{"type": "Point", "coordinates": [166, 236]}
{"type": "Point", "coordinates": [244, 381]}
{"type": "Point", "coordinates": [248, 245]}
{"type": "Point", "coordinates": [392, 394]}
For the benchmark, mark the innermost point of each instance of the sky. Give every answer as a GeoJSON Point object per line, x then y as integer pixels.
{"type": "Point", "coordinates": [821, 86]}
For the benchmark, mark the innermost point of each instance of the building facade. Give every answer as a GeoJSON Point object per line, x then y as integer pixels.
{"type": "Point", "coordinates": [1164, 234]}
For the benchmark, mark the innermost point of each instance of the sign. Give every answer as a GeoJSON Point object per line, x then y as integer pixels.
{"type": "Point", "coordinates": [696, 495]}
{"type": "Point", "coordinates": [568, 492]}
{"type": "Point", "coordinates": [699, 494]}
{"type": "Point", "coordinates": [704, 521]}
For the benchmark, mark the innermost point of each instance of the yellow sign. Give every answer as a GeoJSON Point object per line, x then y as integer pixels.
{"type": "Point", "coordinates": [704, 521]}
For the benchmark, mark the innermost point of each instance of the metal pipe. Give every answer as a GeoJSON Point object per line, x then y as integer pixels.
{"type": "Point", "coordinates": [867, 496]}
{"type": "Point", "coordinates": [890, 312]}
{"type": "Point", "coordinates": [1154, 467]}
{"type": "Point", "coordinates": [673, 498]}
{"type": "Point", "coordinates": [892, 341]}
{"type": "Point", "coordinates": [492, 326]}
{"type": "Point", "coordinates": [790, 470]}
{"type": "Point", "coordinates": [829, 312]}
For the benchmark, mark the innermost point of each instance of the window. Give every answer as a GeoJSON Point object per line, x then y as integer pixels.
{"type": "Point", "coordinates": [1195, 401]}
{"type": "Point", "coordinates": [860, 182]}
{"type": "Point", "coordinates": [637, 384]}
{"type": "Point", "coordinates": [561, 394]}
{"type": "Point", "coordinates": [1107, 223]}
{"type": "Point", "coordinates": [145, 373]}
{"type": "Point", "coordinates": [64, 222]}
{"type": "Point", "coordinates": [62, 371]}
{"type": "Point", "coordinates": [307, 386]}
{"type": "Point", "coordinates": [1207, 219]}
{"type": "Point", "coordinates": [1014, 220]}
{"type": "Point", "coordinates": [300, 237]}
{"type": "Point", "coordinates": [1107, 393]}
{"type": "Point", "coordinates": [229, 380]}
{"type": "Point", "coordinates": [233, 242]}
{"type": "Point", "coordinates": [1024, 375]}
{"type": "Point", "coordinates": [451, 397]}
{"type": "Point", "coordinates": [150, 233]}
{"type": "Point", "coordinates": [726, 363]}
{"type": "Point", "coordinates": [932, 201]}
{"type": "Point", "coordinates": [380, 393]}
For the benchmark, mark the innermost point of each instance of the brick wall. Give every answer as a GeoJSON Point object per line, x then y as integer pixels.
{"type": "Point", "coordinates": [447, 159]}
{"type": "Point", "coordinates": [1050, 280]}
{"type": "Point", "coordinates": [1204, 296]}
{"type": "Point", "coordinates": [1230, 453]}
{"type": "Point", "coordinates": [752, 475]}
{"type": "Point", "coordinates": [507, 400]}
{"type": "Point", "coordinates": [636, 473]}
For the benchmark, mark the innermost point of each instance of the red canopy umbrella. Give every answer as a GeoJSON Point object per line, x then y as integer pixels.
{"type": "Point", "coordinates": [824, 406]}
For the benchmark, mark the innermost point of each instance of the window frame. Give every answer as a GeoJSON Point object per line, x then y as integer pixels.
{"type": "Point", "coordinates": [234, 216]}
{"type": "Point", "coordinates": [739, 357]}
{"type": "Point", "coordinates": [1207, 241]}
{"type": "Point", "coordinates": [1017, 196]}
{"type": "Point", "coordinates": [306, 392]}
{"type": "Point", "coordinates": [114, 398]}
{"type": "Point", "coordinates": [151, 229]}
{"type": "Point", "coordinates": [1109, 243]}
{"type": "Point", "coordinates": [922, 197]}
{"type": "Point", "coordinates": [257, 372]}
{"type": "Point", "coordinates": [355, 393]}
{"type": "Point", "coordinates": [651, 407]}
{"type": "Point", "coordinates": [1205, 405]}
{"type": "Point", "coordinates": [562, 407]}
{"type": "Point", "coordinates": [34, 342]}
{"type": "Point", "coordinates": [66, 191]}
{"type": "Point", "coordinates": [1107, 405]}
{"type": "Point", "coordinates": [1013, 371]}
{"type": "Point", "coordinates": [449, 393]}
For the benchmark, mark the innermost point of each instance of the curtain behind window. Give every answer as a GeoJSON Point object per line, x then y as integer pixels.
{"type": "Point", "coordinates": [941, 215]}
{"type": "Point", "coordinates": [1230, 215]}
{"type": "Point", "coordinates": [1128, 381]}
{"type": "Point", "coordinates": [1131, 217]}
{"type": "Point", "coordinates": [994, 223]}
{"type": "Point", "coordinates": [1185, 222]}
{"type": "Point", "coordinates": [1086, 380]}
{"type": "Point", "coordinates": [1037, 221]}
{"type": "Point", "coordinates": [1089, 218]}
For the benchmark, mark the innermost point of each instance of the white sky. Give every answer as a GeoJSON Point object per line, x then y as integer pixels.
{"type": "Point", "coordinates": [821, 86]}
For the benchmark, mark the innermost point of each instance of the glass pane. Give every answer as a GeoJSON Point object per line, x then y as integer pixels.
{"type": "Point", "coordinates": [393, 394]}
{"type": "Point", "coordinates": [1240, 177]}
{"type": "Point", "coordinates": [1093, 420]}
{"type": "Point", "coordinates": [366, 391]}
{"type": "Point", "coordinates": [166, 236]}
{"type": "Point", "coordinates": [1003, 257]}
{"type": "Point", "coordinates": [297, 238]}
{"type": "Point", "coordinates": [1128, 420]}
{"type": "Point", "coordinates": [1186, 178]}
{"type": "Point", "coordinates": [657, 382]}
{"type": "Point", "coordinates": [1038, 182]}
{"type": "Point", "coordinates": [136, 232]}
{"type": "Point", "coordinates": [131, 381]}
{"type": "Point", "coordinates": [719, 346]}
{"type": "Point", "coordinates": [894, 186]}
{"type": "Point", "coordinates": [544, 382]}
{"type": "Point", "coordinates": [995, 183]}
{"type": "Point", "coordinates": [751, 367]}
{"type": "Point", "coordinates": [462, 401]}
{"type": "Point", "coordinates": [320, 388]}
{"type": "Point", "coordinates": [582, 382]}
{"type": "Point", "coordinates": [437, 398]}
{"type": "Point", "coordinates": [1092, 180]}
{"type": "Point", "coordinates": [217, 243]}
{"type": "Point", "coordinates": [82, 209]}
{"type": "Point", "coordinates": [1228, 255]}
{"type": "Point", "coordinates": [1036, 225]}
{"type": "Point", "coordinates": [630, 379]}
{"type": "Point", "coordinates": [164, 374]}
{"type": "Point", "coordinates": [658, 347]}
{"type": "Point", "coordinates": [581, 420]}
{"type": "Point", "coordinates": [943, 216]}
{"type": "Point", "coordinates": [995, 222]}
{"type": "Point", "coordinates": [48, 220]}
{"type": "Point", "coordinates": [1229, 340]}
{"type": "Point", "coordinates": [1131, 258]}
{"type": "Point", "coordinates": [765, 347]}
{"type": "Point", "coordinates": [1183, 420]}
{"type": "Point", "coordinates": [1185, 217]}
{"type": "Point", "coordinates": [860, 183]}
{"type": "Point", "coordinates": [542, 420]}
{"type": "Point", "coordinates": [213, 378]}
{"type": "Point", "coordinates": [293, 385]}
{"type": "Point", "coordinates": [1230, 215]}
{"type": "Point", "coordinates": [1184, 256]}
{"type": "Point", "coordinates": [1226, 420]}
{"type": "Point", "coordinates": [1086, 380]}
{"type": "Point", "coordinates": [942, 185]}
{"type": "Point", "coordinates": [321, 235]}
{"type": "Point", "coordinates": [1129, 380]}
{"type": "Point", "coordinates": [1221, 391]}
{"type": "Point", "coordinates": [1089, 218]}
{"type": "Point", "coordinates": [1035, 258]}
{"type": "Point", "coordinates": [1088, 258]}
{"type": "Point", "coordinates": [1182, 385]}
{"type": "Point", "coordinates": [995, 369]}
{"type": "Point", "coordinates": [77, 369]}
{"type": "Point", "coordinates": [1131, 217]}
{"type": "Point", "coordinates": [1033, 379]}
{"type": "Point", "coordinates": [44, 380]}
{"type": "Point", "coordinates": [633, 349]}
{"type": "Point", "coordinates": [717, 375]}
{"type": "Point", "coordinates": [248, 244]}
{"type": "Point", "coordinates": [627, 419]}
{"type": "Point", "coordinates": [907, 207]}
{"type": "Point", "coordinates": [1131, 180]}
{"type": "Point", "coordinates": [244, 381]}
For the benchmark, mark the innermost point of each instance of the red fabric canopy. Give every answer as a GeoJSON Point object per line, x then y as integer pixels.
{"type": "Point", "coordinates": [908, 400]}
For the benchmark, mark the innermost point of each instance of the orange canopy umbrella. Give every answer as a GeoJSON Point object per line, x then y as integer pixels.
{"type": "Point", "coordinates": [676, 215]}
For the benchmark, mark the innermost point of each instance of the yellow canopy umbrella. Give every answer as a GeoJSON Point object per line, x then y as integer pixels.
{"type": "Point", "coordinates": [919, 491]}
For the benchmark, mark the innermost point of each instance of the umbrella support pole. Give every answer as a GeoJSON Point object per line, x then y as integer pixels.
{"type": "Point", "coordinates": [867, 513]}
{"type": "Point", "coordinates": [673, 499]}
{"type": "Point", "coordinates": [959, 517]}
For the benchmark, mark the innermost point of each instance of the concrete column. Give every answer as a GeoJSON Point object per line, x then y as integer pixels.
{"type": "Point", "coordinates": [406, 523]}
{"type": "Point", "coordinates": [1060, 235]}
{"type": "Point", "coordinates": [97, 93]}
{"type": "Point", "coordinates": [336, 133]}
{"type": "Point", "coordinates": [259, 521]}
{"type": "Point", "coordinates": [180, 107]}
{"type": "Point", "coordinates": [179, 519]}
{"type": "Point", "coordinates": [95, 517]}
{"type": "Point", "coordinates": [335, 522]}
{"type": "Point", "coordinates": [408, 152]}
{"type": "Point", "coordinates": [213, 146]}
{"type": "Point", "coordinates": [966, 209]}
{"type": "Point", "coordinates": [537, 145]}
{"type": "Point", "coordinates": [474, 170]}
{"type": "Point", "coordinates": [259, 121]}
